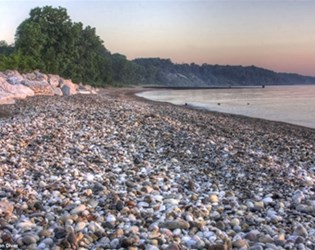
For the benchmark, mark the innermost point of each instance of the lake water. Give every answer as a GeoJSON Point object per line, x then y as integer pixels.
{"type": "Point", "coordinates": [291, 104]}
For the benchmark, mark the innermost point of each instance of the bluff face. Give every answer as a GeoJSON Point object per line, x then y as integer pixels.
{"type": "Point", "coordinates": [165, 73]}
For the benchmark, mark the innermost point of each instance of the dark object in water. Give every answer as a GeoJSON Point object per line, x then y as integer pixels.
{"type": "Point", "coordinates": [186, 104]}
{"type": "Point", "coordinates": [248, 103]}
{"type": "Point", "coordinates": [219, 103]}
{"type": "Point", "coordinates": [263, 86]}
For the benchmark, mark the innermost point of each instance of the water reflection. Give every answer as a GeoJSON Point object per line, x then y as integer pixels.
{"type": "Point", "coordinates": [292, 104]}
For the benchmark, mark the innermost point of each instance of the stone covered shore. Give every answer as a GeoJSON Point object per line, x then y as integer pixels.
{"type": "Point", "coordinates": [111, 171]}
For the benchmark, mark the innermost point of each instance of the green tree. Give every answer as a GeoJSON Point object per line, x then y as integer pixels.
{"type": "Point", "coordinates": [47, 37]}
{"type": "Point", "coordinates": [18, 62]}
{"type": "Point", "coordinates": [59, 46]}
{"type": "Point", "coordinates": [6, 49]}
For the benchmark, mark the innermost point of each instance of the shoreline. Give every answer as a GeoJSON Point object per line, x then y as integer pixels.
{"type": "Point", "coordinates": [116, 171]}
{"type": "Point", "coordinates": [242, 118]}
{"type": "Point", "coordinates": [211, 87]}
{"type": "Point", "coordinates": [131, 93]}
{"type": "Point", "coordinates": [223, 113]}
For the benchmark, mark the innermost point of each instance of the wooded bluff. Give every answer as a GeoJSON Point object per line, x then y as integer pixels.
{"type": "Point", "coordinates": [50, 42]}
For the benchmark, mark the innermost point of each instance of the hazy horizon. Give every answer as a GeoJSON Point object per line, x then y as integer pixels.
{"type": "Point", "coordinates": [277, 35]}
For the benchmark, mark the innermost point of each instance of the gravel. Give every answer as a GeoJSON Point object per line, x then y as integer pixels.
{"type": "Point", "coordinates": [111, 171]}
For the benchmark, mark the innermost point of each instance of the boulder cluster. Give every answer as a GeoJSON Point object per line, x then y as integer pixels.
{"type": "Point", "coordinates": [14, 85]}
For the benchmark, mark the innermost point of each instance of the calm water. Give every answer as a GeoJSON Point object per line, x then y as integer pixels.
{"type": "Point", "coordinates": [291, 104]}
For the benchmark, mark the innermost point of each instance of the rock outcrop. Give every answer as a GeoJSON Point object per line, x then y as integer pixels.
{"type": "Point", "coordinates": [14, 85]}
{"type": "Point", "coordinates": [68, 87]}
{"type": "Point", "coordinates": [11, 88]}
{"type": "Point", "coordinates": [38, 82]}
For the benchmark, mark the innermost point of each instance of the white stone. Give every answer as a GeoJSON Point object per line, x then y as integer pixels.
{"type": "Point", "coordinates": [235, 222]}
{"type": "Point", "coordinates": [189, 217]}
{"type": "Point", "coordinates": [158, 197]}
{"type": "Point", "coordinates": [78, 209]}
{"type": "Point", "coordinates": [80, 226]}
{"type": "Point", "coordinates": [267, 200]}
{"type": "Point", "coordinates": [171, 201]}
{"type": "Point", "coordinates": [298, 197]}
{"type": "Point", "coordinates": [143, 204]}
{"type": "Point", "coordinates": [26, 225]}
{"type": "Point", "coordinates": [89, 177]}
{"type": "Point", "coordinates": [95, 227]}
{"type": "Point", "coordinates": [110, 218]}
{"type": "Point", "coordinates": [177, 232]}
{"type": "Point", "coordinates": [41, 245]}
{"type": "Point", "coordinates": [131, 217]}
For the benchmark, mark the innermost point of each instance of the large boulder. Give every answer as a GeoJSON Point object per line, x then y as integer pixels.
{"type": "Point", "coordinates": [54, 80]}
{"type": "Point", "coordinates": [14, 85]}
{"type": "Point", "coordinates": [57, 91]}
{"type": "Point", "coordinates": [38, 82]}
{"type": "Point", "coordinates": [86, 89]}
{"type": "Point", "coordinates": [36, 76]}
{"type": "Point", "coordinates": [6, 98]}
{"type": "Point", "coordinates": [68, 87]}
{"type": "Point", "coordinates": [13, 77]}
{"type": "Point", "coordinates": [39, 87]}
{"type": "Point", "coordinates": [14, 91]}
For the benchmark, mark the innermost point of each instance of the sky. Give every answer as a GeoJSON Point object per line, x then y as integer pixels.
{"type": "Point", "coordinates": [274, 34]}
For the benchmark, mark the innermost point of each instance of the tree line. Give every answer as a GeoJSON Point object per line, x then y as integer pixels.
{"type": "Point", "coordinates": [49, 41]}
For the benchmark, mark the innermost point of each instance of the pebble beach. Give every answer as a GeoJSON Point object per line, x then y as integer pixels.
{"type": "Point", "coordinates": [114, 171]}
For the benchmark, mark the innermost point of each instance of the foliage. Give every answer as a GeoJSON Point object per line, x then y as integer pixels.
{"type": "Point", "coordinates": [18, 62]}
{"type": "Point", "coordinates": [125, 71]}
{"type": "Point", "coordinates": [163, 72]}
{"type": "Point", "coordinates": [6, 49]}
{"type": "Point", "coordinates": [63, 47]}
{"type": "Point", "coordinates": [48, 40]}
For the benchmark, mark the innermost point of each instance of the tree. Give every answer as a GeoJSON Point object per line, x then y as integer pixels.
{"type": "Point", "coordinates": [47, 37]}
{"type": "Point", "coordinates": [49, 41]}
{"type": "Point", "coordinates": [62, 47]}
{"type": "Point", "coordinates": [6, 49]}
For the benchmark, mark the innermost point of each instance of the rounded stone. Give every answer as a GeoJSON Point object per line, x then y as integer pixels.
{"type": "Point", "coordinates": [214, 198]}
{"type": "Point", "coordinates": [78, 209]}
{"type": "Point", "coordinates": [240, 243]}
{"type": "Point", "coordinates": [29, 239]}
{"type": "Point", "coordinates": [179, 223]}
{"type": "Point", "coordinates": [235, 222]}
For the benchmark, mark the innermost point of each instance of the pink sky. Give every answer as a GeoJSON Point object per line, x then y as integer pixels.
{"type": "Point", "coordinates": [278, 35]}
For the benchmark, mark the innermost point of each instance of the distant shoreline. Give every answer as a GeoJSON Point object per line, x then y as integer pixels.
{"type": "Point", "coordinates": [212, 87]}
{"type": "Point", "coordinates": [248, 113]}
{"type": "Point", "coordinates": [223, 87]}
